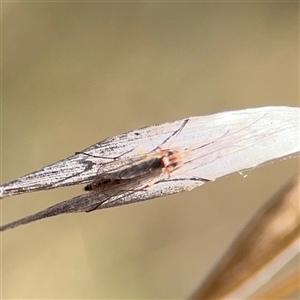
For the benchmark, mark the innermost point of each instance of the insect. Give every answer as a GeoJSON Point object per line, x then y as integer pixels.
{"type": "Point", "coordinates": [156, 160]}
{"type": "Point", "coordinates": [138, 170]}
{"type": "Point", "coordinates": [161, 161]}
{"type": "Point", "coordinates": [139, 176]}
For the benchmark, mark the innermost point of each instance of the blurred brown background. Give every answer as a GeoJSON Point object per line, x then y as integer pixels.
{"type": "Point", "coordinates": [76, 73]}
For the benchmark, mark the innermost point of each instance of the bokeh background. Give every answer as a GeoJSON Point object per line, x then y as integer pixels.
{"type": "Point", "coordinates": [76, 73]}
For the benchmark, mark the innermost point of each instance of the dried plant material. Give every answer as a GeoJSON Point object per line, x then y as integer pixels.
{"type": "Point", "coordinates": [218, 144]}
{"type": "Point", "coordinates": [283, 289]}
{"type": "Point", "coordinates": [266, 244]}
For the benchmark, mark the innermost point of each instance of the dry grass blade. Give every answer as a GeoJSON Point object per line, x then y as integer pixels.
{"type": "Point", "coordinates": [283, 289]}
{"type": "Point", "coordinates": [267, 243]}
{"type": "Point", "coordinates": [220, 144]}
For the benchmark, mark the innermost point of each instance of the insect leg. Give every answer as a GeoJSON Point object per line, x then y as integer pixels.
{"type": "Point", "coordinates": [175, 133]}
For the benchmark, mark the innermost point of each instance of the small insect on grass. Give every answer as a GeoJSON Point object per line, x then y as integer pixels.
{"type": "Point", "coordinates": [157, 163]}
{"type": "Point", "coordinates": [141, 172]}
